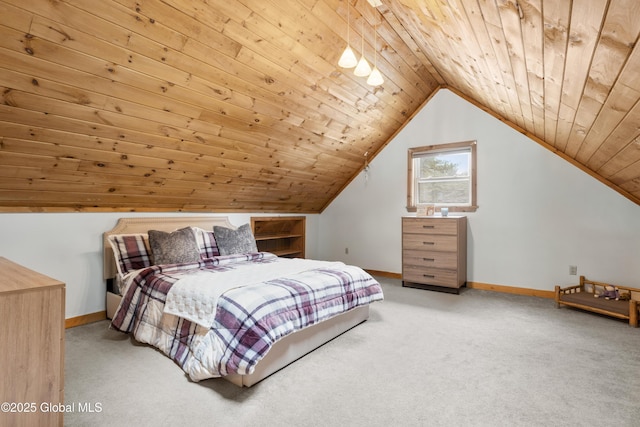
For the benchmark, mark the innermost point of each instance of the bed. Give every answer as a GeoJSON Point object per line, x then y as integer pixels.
{"type": "Point", "coordinates": [232, 312]}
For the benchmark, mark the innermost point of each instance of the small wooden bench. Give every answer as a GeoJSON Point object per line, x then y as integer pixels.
{"type": "Point", "coordinates": [582, 296]}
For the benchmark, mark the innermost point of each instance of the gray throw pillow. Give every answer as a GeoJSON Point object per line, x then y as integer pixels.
{"type": "Point", "coordinates": [177, 247]}
{"type": "Point", "coordinates": [239, 241]}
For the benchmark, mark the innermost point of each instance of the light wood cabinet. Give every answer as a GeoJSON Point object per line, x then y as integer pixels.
{"type": "Point", "coordinates": [280, 235]}
{"type": "Point", "coordinates": [32, 346]}
{"type": "Point", "coordinates": [434, 252]}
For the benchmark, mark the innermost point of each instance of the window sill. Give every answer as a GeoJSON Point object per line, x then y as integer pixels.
{"type": "Point", "coordinates": [451, 208]}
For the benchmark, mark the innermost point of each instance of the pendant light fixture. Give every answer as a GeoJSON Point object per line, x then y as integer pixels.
{"type": "Point", "coordinates": [363, 69]}
{"type": "Point", "coordinates": [375, 78]}
{"type": "Point", "coordinates": [348, 58]}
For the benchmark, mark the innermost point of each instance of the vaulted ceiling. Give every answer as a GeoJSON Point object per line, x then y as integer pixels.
{"type": "Point", "coordinates": [240, 106]}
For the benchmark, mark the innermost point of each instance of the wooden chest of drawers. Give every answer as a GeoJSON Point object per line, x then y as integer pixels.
{"type": "Point", "coordinates": [434, 252]}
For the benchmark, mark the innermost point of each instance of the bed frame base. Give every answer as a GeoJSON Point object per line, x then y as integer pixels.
{"type": "Point", "coordinates": [113, 301]}
{"type": "Point", "coordinates": [294, 346]}
{"type": "Point", "coordinates": [288, 349]}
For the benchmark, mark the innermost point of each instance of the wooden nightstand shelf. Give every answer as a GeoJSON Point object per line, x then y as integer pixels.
{"type": "Point", "coordinates": [280, 235]}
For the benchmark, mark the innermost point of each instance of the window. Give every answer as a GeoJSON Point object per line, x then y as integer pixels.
{"type": "Point", "coordinates": [444, 175]}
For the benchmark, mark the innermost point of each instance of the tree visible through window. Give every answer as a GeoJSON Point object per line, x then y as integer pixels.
{"type": "Point", "coordinates": [443, 175]}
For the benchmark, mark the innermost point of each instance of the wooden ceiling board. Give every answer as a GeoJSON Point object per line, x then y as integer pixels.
{"type": "Point", "coordinates": [533, 39]}
{"type": "Point", "coordinates": [586, 22]}
{"type": "Point", "coordinates": [556, 15]}
{"type": "Point", "coordinates": [493, 83]}
{"type": "Point", "coordinates": [240, 106]}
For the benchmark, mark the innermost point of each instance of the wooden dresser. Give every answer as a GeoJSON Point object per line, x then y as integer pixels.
{"type": "Point", "coordinates": [434, 252]}
{"type": "Point", "coordinates": [32, 343]}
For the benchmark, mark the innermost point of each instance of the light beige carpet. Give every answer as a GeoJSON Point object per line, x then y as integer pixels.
{"type": "Point", "coordinates": [422, 359]}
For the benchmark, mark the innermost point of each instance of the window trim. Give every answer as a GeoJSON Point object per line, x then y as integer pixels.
{"type": "Point", "coordinates": [411, 204]}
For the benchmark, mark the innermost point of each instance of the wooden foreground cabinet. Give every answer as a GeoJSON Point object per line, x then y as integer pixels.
{"type": "Point", "coordinates": [32, 347]}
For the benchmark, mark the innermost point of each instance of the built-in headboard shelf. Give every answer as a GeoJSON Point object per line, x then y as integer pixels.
{"type": "Point", "coordinates": [142, 225]}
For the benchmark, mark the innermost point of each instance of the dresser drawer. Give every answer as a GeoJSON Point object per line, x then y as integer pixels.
{"type": "Point", "coordinates": [430, 276]}
{"type": "Point", "coordinates": [433, 259]}
{"type": "Point", "coordinates": [429, 242]}
{"type": "Point", "coordinates": [430, 226]}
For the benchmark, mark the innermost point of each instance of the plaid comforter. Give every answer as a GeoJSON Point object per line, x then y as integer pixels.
{"type": "Point", "coordinates": [249, 319]}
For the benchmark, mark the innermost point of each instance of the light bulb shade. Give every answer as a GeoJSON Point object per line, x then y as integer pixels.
{"type": "Point", "coordinates": [375, 78]}
{"type": "Point", "coordinates": [363, 69]}
{"type": "Point", "coordinates": [348, 58]}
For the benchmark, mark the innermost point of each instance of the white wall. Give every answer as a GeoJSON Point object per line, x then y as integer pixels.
{"type": "Point", "coordinates": [537, 213]}
{"type": "Point", "coordinates": [68, 247]}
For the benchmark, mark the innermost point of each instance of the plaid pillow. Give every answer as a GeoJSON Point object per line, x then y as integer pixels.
{"type": "Point", "coordinates": [206, 243]}
{"type": "Point", "coordinates": [131, 252]}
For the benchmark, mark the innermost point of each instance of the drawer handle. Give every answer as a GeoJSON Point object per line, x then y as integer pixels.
{"type": "Point", "coordinates": [430, 276]}
{"type": "Point", "coordinates": [428, 226]}
{"type": "Point", "coordinates": [428, 259]}
{"type": "Point", "coordinates": [428, 243]}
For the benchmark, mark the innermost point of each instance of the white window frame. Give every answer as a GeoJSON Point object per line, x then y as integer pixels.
{"type": "Point", "coordinates": [417, 152]}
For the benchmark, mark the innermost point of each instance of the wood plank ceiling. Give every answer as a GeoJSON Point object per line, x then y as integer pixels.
{"type": "Point", "coordinates": [239, 105]}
